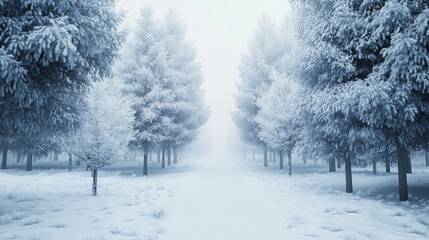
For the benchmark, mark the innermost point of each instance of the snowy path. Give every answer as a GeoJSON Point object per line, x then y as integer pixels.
{"type": "Point", "coordinates": [221, 200]}
{"type": "Point", "coordinates": [212, 200]}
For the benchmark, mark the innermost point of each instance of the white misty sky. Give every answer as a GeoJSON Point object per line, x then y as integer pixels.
{"type": "Point", "coordinates": [220, 30]}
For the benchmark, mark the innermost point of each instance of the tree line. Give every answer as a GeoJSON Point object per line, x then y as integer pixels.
{"type": "Point", "coordinates": [73, 82]}
{"type": "Point", "coordinates": [340, 80]}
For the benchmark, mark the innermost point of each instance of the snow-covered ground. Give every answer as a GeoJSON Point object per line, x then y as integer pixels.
{"type": "Point", "coordinates": [210, 199]}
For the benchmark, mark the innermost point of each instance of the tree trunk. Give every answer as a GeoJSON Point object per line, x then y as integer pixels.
{"type": "Point", "coordinates": [175, 155]}
{"type": "Point", "coordinates": [265, 157]}
{"type": "Point", "coordinates": [332, 165]}
{"type": "Point", "coordinates": [274, 156]}
{"type": "Point", "coordinates": [339, 163]}
{"type": "Point", "coordinates": [4, 157]}
{"type": "Point", "coordinates": [408, 162]}
{"type": "Point", "coordinates": [427, 158]}
{"type": "Point", "coordinates": [281, 158]}
{"type": "Point", "coordinates": [163, 157]}
{"type": "Point", "coordinates": [169, 154]}
{"type": "Point", "coordinates": [387, 162]}
{"type": "Point", "coordinates": [374, 167]}
{"type": "Point", "coordinates": [70, 162]}
{"type": "Point", "coordinates": [158, 155]}
{"type": "Point", "coordinates": [304, 160]}
{"type": "Point", "coordinates": [145, 161]}
{"type": "Point", "coordinates": [29, 166]}
{"type": "Point", "coordinates": [348, 166]}
{"type": "Point", "coordinates": [94, 182]}
{"type": "Point", "coordinates": [289, 163]}
{"type": "Point", "coordinates": [270, 156]}
{"type": "Point", "coordinates": [55, 156]}
{"type": "Point", "coordinates": [402, 155]}
{"type": "Point", "coordinates": [18, 157]}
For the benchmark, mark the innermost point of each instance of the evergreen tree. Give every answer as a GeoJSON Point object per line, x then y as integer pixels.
{"type": "Point", "coordinates": [369, 90]}
{"type": "Point", "coordinates": [392, 98]}
{"type": "Point", "coordinates": [49, 53]}
{"type": "Point", "coordinates": [323, 66]}
{"type": "Point", "coordinates": [143, 70]}
{"type": "Point", "coordinates": [255, 71]}
{"type": "Point", "coordinates": [278, 109]}
{"type": "Point", "coordinates": [163, 82]}
{"type": "Point", "coordinates": [190, 113]}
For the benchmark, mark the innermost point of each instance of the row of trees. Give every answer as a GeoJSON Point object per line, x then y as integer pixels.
{"type": "Point", "coordinates": [351, 85]}
{"type": "Point", "coordinates": [54, 59]}
{"type": "Point", "coordinates": [50, 54]}
{"type": "Point", "coordinates": [162, 79]}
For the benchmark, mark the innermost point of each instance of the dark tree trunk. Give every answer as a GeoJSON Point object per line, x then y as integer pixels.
{"type": "Point", "coordinates": [265, 157]}
{"type": "Point", "coordinates": [145, 161]}
{"type": "Point", "coordinates": [70, 162]}
{"type": "Point", "coordinates": [18, 157]}
{"type": "Point", "coordinates": [4, 157]}
{"type": "Point", "coordinates": [281, 158]}
{"type": "Point", "coordinates": [402, 155]}
{"type": "Point", "coordinates": [427, 158]}
{"type": "Point", "coordinates": [374, 167]}
{"type": "Point", "coordinates": [163, 157]}
{"type": "Point", "coordinates": [55, 156]}
{"type": "Point", "coordinates": [339, 163]}
{"type": "Point", "coordinates": [175, 155]}
{"type": "Point", "coordinates": [289, 163]}
{"type": "Point", "coordinates": [94, 182]}
{"type": "Point", "coordinates": [169, 155]}
{"type": "Point", "coordinates": [158, 155]}
{"type": "Point", "coordinates": [408, 162]}
{"type": "Point", "coordinates": [29, 166]}
{"type": "Point", "coordinates": [348, 170]}
{"type": "Point", "coordinates": [332, 165]}
{"type": "Point", "coordinates": [387, 161]}
{"type": "Point", "coordinates": [274, 156]}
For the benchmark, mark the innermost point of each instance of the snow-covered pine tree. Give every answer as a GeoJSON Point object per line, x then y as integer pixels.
{"type": "Point", "coordinates": [106, 130]}
{"type": "Point", "coordinates": [49, 52]}
{"type": "Point", "coordinates": [392, 98]}
{"type": "Point", "coordinates": [255, 71]}
{"type": "Point", "coordinates": [278, 108]}
{"type": "Point", "coordinates": [143, 70]}
{"type": "Point", "coordinates": [328, 32]}
{"type": "Point", "coordinates": [382, 102]}
{"type": "Point", "coordinates": [190, 113]}
{"type": "Point", "coordinates": [163, 81]}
